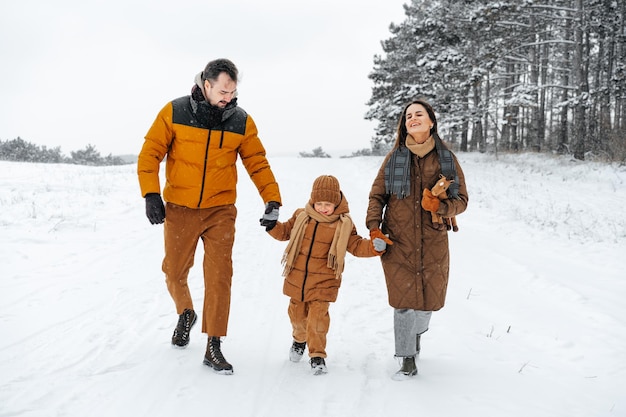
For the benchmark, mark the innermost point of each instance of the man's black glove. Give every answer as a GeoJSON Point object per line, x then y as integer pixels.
{"type": "Point", "coordinates": [155, 210]}
{"type": "Point", "coordinates": [270, 216]}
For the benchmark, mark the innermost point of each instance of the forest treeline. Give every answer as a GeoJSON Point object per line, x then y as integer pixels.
{"type": "Point", "coordinates": [20, 150]}
{"type": "Point", "coordinates": [516, 75]}
{"type": "Point", "coordinates": [540, 75]}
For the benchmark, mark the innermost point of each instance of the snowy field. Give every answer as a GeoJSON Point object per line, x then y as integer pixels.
{"type": "Point", "coordinates": [534, 325]}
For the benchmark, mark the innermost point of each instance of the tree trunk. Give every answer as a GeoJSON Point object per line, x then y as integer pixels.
{"type": "Point", "coordinates": [478, 142]}
{"type": "Point", "coordinates": [465, 124]}
{"type": "Point", "coordinates": [563, 138]}
{"type": "Point", "coordinates": [580, 128]}
{"type": "Point", "coordinates": [486, 114]}
{"type": "Point", "coordinates": [541, 123]}
{"type": "Point", "coordinates": [533, 128]}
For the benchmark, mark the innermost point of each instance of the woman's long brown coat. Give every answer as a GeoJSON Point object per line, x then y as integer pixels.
{"type": "Point", "coordinates": [311, 279]}
{"type": "Point", "coordinates": [417, 265]}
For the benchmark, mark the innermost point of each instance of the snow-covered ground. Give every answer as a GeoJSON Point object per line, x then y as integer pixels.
{"type": "Point", "coordinates": [535, 321]}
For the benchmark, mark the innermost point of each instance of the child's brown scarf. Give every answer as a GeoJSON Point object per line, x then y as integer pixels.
{"type": "Point", "coordinates": [338, 247]}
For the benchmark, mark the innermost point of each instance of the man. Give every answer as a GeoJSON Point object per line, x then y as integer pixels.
{"type": "Point", "coordinates": [202, 134]}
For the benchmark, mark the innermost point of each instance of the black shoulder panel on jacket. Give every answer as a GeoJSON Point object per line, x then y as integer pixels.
{"type": "Point", "coordinates": [236, 122]}
{"type": "Point", "coordinates": [183, 114]}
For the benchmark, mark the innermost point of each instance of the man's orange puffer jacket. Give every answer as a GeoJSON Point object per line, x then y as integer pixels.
{"type": "Point", "coordinates": [200, 170]}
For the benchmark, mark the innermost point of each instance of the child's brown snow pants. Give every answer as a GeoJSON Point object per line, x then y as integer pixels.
{"type": "Point", "coordinates": [310, 322]}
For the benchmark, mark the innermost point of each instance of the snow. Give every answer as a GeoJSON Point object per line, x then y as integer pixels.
{"type": "Point", "coordinates": [534, 323]}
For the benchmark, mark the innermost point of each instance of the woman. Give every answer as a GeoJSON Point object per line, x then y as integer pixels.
{"type": "Point", "coordinates": [416, 266]}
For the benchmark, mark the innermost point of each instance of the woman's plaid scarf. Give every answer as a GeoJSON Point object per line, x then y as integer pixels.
{"type": "Point", "coordinates": [397, 170]}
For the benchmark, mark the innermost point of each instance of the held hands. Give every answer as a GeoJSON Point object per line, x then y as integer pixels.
{"type": "Point", "coordinates": [429, 201]}
{"type": "Point", "coordinates": [270, 216]}
{"type": "Point", "coordinates": [379, 245]}
{"type": "Point", "coordinates": [379, 242]}
{"type": "Point", "coordinates": [155, 210]}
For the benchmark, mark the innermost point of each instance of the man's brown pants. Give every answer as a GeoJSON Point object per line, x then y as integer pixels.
{"type": "Point", "coordinates": [184, 227]}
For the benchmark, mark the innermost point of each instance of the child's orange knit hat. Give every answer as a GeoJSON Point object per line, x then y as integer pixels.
{"type": "Point", "coordinates": [326, 188]}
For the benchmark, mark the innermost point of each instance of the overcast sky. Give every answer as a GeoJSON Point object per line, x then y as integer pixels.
{"type": "Point", "coordinates": [97, 72]}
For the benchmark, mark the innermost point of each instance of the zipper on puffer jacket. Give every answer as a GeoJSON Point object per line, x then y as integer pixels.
{"type": "Point", "coordinates": [206, 162]}
{"type": "Point", "coordinates": [306, 264]}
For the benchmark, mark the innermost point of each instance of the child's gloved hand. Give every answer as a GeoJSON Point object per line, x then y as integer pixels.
{"type": "Point", "coordinates": [379, 245]}
{"type": "Point", "coordinates": [379, 241]}
{"type": "Point", "coordinates": [270, 215]}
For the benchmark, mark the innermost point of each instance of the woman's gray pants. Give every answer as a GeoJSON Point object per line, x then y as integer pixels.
{"type": "Point", "coordinates": [407, 324]}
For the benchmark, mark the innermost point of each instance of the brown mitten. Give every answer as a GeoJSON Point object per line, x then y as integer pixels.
{"type": "Point", "coordinates": [429, 201]}
{"type": "Point", "coordinates": [377, 234]}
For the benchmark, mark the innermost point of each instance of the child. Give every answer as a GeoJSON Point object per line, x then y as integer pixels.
{"type": "Point", "coordinates": [319, 236]}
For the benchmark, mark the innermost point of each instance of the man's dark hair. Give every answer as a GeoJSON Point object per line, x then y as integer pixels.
{"type": "Point", "coordinates": [214, 68]}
